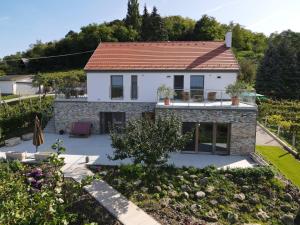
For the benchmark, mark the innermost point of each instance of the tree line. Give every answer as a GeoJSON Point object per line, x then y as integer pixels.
{"type": "Point", "coordinates": [148, 26]}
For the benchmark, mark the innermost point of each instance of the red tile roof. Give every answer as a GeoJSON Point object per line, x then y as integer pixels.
{"type": "Point", "coordinates": [162, 56]}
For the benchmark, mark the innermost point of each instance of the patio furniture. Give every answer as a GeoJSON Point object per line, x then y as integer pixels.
{"type": "Point", "coordinates": [81, 129]}
{"type": "Point", "coordinates": [198, 98]}
{"type": "Point", "coordinates": [11, 155]}
{"type": "Point", "coordinates": [27, 137]}
{"type": "Point", "coordinates": [12, 141]}
{"type": "Point", "coordinates": [43, 156]}
{"type": "Point", "coordinates": [211, 96]}
{"type": "Point", "coordinates": [185, 96]}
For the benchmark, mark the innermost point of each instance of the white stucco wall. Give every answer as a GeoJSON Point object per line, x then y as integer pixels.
{"type": "Point", "coordinates": [25, 89]}
{"type": "Point", "coordinates": [98, 84]}
{"type": "Point", "coordinates": [7, 87]}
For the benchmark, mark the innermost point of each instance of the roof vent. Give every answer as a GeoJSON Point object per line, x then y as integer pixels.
{"type": "Point", "coordinates": [228, 39]}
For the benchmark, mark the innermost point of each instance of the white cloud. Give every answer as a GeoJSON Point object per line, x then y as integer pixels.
{"type": "Point", "coordinates": [221, 6]}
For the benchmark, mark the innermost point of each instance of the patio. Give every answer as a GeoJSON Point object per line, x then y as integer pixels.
{"type": "Point", "coordinates": [98, 147]}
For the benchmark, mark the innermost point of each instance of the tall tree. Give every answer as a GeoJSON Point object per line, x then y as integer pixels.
{"type": "Point", "coordinates": [133, 17]}
{"type": "Point", "coordinates": [279, 72]}
{"type": "Point", "coordinates": [179, 28]}
{"type": "Point", "coordinates": [146, 25]}
{"type": "Point", "coordinates": [157, 27]}
{"type": "Point", "coordinates": [208, 29]}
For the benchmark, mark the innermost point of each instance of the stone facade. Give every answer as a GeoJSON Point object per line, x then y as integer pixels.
{"type": "Point", "coordinates": [67, 112]}
{"type": "Point", "coordinates": [242, 120]}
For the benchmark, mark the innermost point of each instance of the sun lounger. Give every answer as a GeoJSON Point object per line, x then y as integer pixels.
{"type": "Point", "coordinates": [42, 156]}
{"type": "Point", "coordinates": [15, 155]}
{"type": "Point", "coordinates": [12, 141]}
{"type": "Point", "coordinates": [81, 129]}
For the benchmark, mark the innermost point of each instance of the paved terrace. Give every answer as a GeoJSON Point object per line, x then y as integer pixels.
{"type": "Point", "coordinates": [98, 147]}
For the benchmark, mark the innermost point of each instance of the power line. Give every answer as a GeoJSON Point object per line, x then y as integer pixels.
{"type": "Point", "coordinates": [47, 57]}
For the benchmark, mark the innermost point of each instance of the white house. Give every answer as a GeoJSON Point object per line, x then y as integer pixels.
{"type": "Point", "coordinates": [17, 85]}
{"type": "Point", "coordinates": [122, 84]}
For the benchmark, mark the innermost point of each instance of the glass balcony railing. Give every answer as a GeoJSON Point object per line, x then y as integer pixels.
{"type": "Point", "coordinates": [206, 97]}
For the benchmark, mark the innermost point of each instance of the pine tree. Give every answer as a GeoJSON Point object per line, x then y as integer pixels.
{"type": "Point", "coordinates": [133, 17]}
{"type": "Point", "coordinates": [145, 28]}
{"type": "Point", "coordinates": [157, 26]}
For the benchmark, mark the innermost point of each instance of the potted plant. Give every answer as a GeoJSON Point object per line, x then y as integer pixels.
{"type": "Point", "coordinates": [166, 93]}
{"type": "Point", "coordinates": [235, 90]}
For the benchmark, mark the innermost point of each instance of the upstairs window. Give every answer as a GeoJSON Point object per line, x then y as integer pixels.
{"type": "Point", "coordinates": [116, 87]}
{"type": "Point", "coordinates": [134, 87]}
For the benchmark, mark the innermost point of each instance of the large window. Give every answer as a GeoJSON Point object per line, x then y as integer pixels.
{"type": "Point", "coordinates": [197, 86]}
{"type": "Point", "coordinates": [178, 86]}
{"type": "Point", "coordinates": [116, 87]}
{"type": "Point", "coordinates": [134, 87]}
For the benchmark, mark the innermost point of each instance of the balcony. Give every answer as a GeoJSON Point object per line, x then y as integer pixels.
{"type": "Point", "coordinates": [74, 94]}
{"type": "Point", "coordinates": [206, 98]}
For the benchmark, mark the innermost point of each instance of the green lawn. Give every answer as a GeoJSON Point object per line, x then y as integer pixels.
{"type": "Point", "coordinates": [283, 161]}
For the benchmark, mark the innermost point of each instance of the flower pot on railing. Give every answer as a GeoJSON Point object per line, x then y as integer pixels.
{"type": "Point", "coordinates": [234, 91]}
{"type": "Point", "coordinates": [235, 100]}
{"type": "Point", "coordinates": [166, 93]}
{"type": "Point", "coordinates": [167, 101]}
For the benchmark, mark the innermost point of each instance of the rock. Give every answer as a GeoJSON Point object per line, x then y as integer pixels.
{"type": "Point", "coordinates": [193, 177]}
{"type": "Point", "coordinates": [194, 207]}
{"type": "Point", "coordinates": [103, 173]}
{"type": "Point", "coordinates": [288, 197]}
{"type": "Point", "coordinates": [213, 202]}
{"type": "Point", "coordinates": [203, 181]}
{"type": "Point", "coordinates": [27, 137]}
{"type": "Point", "coordinates": [140, 197]}
{"type": "Point", "coordinates": [144, 189]}
{"type": "Point", "coordinates": [137, 183]}
{"type": "Point", "coordinates": [232, 217]}
{"type": "Point", "coordinates": [184, 187]}
{"type": "Point", "coordinates": [165, 202]}
{"type": "Point", "coordinates": [185, 195]}
{"type": "Point", "coordinates": [254, 199]}
{"type": "Point", "coordinates": [210, 189]}
{"type": "Point", "coordinates": [179, 177]}
{"type": "Point", "coordinates": [157, 188]}
{"type": "Point", "coordinates": [170, 187]}
{"type": "Point", "coordinates": [222, 199]}
{"type": "Point", "coordinates": [196, 185]}
{"type": "Point", "coordinates": [287, 219]}
{"type": "Point", "coordinates": [240, 197]}
{"type": "Point", "coordinates": [245, 188]}
{"type": "Point", "coordinates": [173, 194]}
{"type": "Point", "coordinates": [211, 216]}
{"type": "Point", "coordinates": [12, 141]}
{"type": "Point", "coordinates": [185, 173]}
{"type": "Point", "coordinates": [200, 194]}
{"type": "Point", "coordinates": [285, 208]}
{"type": "Point", "coordinates": [262, 215]}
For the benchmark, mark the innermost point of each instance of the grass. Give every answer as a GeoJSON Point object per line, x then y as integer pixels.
{"type": "Point", "coordinates": [283, 161]}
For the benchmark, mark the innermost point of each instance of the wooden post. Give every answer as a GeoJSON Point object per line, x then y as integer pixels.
{"type": "Point", "coordinates": [197, 137]}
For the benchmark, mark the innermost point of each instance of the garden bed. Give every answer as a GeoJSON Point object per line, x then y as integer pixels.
{"type": "Point", "coordinates": [199, 196]}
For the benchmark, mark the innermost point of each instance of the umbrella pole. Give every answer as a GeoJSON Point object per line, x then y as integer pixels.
{"type": "Point", "coordinates": [36, 148]}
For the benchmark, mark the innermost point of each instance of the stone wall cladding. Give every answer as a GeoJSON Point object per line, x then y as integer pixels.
{"type": "Point", "coordinates": [67, 112]}
{"type": "Point", "coordinates": [243, 123]}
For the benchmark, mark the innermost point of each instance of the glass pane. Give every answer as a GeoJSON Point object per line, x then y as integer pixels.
{"type": "Point", "coordinates": [189, 127]}
{"type": "Point", "coordinates": [178, 82]}
{"type": "Point", "coordinates": [197, 82]}
{"type": "Point", "coordinates": [116, 86]}
{"type": "Point", "coordinates": [222, 137]}
{"type": "Point", "coordinates": [134, 92]}
{"type": "Point", "coordinates": [205, 137]}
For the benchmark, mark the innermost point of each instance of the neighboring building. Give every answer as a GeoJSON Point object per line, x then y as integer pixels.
{"type": "Point", "coordinates": [122, 83]}
{"type": "Point", "coordinates": [17, 85]}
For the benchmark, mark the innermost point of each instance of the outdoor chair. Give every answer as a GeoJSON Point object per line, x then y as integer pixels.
{"type": "Point", "coordinates": [81, 129]}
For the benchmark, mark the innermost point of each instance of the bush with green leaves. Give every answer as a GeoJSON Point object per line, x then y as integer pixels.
{"type": "Point", "coordinates": [33, 195]}
{"type": "Point", "coordinates": [17, 119]}
{"type": "Point", "coordinates": [149, 142]}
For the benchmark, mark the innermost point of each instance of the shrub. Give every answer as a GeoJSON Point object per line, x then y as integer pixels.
{"type": "Point", "coordinates": [149, 142]}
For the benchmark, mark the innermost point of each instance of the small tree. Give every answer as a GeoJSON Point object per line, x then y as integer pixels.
{"type": "Point", "coordinates": [149, 142]}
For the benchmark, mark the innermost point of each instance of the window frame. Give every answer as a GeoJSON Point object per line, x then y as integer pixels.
{"type": "Point", "coordinates": [131, 87]}
{"type": "Point", "coordinates": [111, 87]}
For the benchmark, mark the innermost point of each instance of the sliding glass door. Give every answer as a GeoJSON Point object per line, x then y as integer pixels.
{"type": "Point", "coordinates": [208, 137]}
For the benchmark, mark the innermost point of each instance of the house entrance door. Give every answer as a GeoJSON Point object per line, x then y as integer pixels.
{"type": "Point", "coordinates": [110, 120]}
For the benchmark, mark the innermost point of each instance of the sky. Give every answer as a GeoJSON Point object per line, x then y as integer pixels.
{"type": "Point", "coordinates": [23, 22]}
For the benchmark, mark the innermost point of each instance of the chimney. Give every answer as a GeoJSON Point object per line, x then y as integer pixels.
{"type": "Point", "coordinates": [228, 39]}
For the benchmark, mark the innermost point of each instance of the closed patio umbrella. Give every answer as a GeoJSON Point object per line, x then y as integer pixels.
{"type": "Point", "coordinates": [38, 137]}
